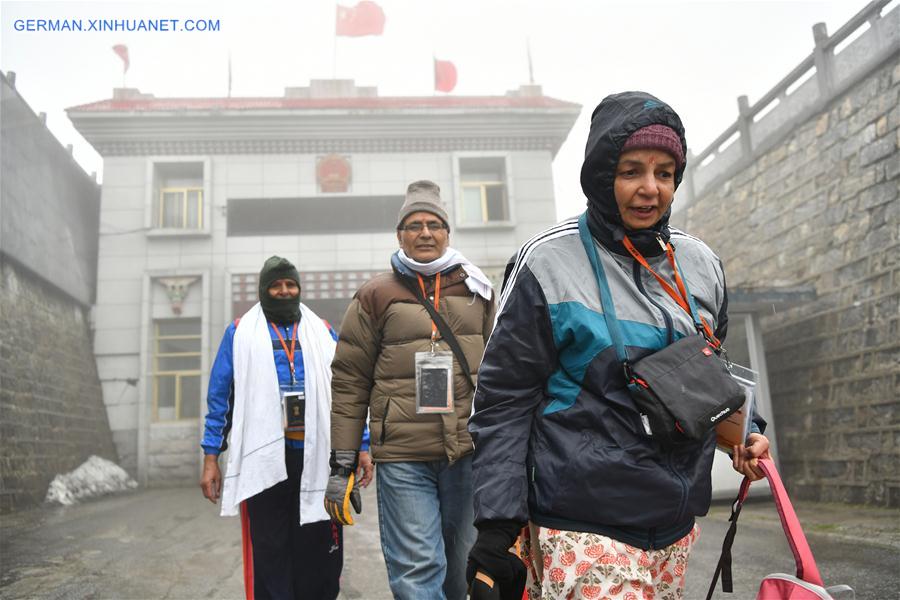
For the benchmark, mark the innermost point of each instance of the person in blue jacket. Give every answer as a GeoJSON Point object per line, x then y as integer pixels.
{"type": "Point", "coordinates": [273, 360]}
{"type": "Point", "coordinates": [559, 440]}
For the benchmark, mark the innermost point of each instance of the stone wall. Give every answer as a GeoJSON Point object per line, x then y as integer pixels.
{"type": "Point", "coordinates": [51, 207]}
{"type": "Point", "coordinates": [51, 411]}
{"type": "Point", "coordinates": [52, 416]}
{"type": "Point", "coordinates": [821, 208]}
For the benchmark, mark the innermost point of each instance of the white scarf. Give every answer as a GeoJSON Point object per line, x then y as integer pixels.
{"type": "Point", "coordinates": [256, 450]}
{"type": "Point", "coordinates": [477, 281]}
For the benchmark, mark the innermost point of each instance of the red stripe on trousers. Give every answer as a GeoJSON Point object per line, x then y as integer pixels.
{"type": "Point", "coordinates": [247, 552]}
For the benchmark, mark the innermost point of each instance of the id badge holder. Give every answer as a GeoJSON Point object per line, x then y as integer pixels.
{"type": "Point", "coordinates": [434, 382]}
{"type": "Point", "coordinates": [748, 380]}
{"type": "Point", "coordinates": [293, 405]}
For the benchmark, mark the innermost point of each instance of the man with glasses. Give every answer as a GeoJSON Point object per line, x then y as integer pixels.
{"type": "Point", "coordinates": [408, 354]}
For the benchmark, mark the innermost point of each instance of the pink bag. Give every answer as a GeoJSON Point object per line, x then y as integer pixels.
{"type": "Point", "coordinates": [807, 584]}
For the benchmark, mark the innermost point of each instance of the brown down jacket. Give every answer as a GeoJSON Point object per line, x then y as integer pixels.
{"type": "Point", "coordinates": [374, 368]}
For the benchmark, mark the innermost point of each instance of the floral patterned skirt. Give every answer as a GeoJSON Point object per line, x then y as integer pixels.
{"type": "Point", "coordinates": [579, 565]}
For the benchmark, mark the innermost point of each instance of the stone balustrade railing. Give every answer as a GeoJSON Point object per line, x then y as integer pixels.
{"type": "Point", "coordinates": [837, 63]}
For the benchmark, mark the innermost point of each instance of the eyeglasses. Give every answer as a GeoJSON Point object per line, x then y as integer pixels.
{"type": "Point", "coordinates": [418, 226]}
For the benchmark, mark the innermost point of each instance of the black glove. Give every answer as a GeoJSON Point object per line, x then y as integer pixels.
{"type": "Point", "coordinates": [493, 572]}
{"type": "Point", "coordinates": [342, 490]}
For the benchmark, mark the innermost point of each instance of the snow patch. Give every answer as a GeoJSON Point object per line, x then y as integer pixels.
{"type": "Point", "coordinates": [95, 477]}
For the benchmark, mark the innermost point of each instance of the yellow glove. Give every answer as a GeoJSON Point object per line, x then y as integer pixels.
{"type": "Point", "coordinates": [342, 491]}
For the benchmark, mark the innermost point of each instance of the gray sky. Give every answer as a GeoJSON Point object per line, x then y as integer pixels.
{"type": "Point", "coordinates": [697, 56]}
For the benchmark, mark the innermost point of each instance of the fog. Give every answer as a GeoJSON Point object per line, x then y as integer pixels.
{"type": "Point", "coordinates": [697, 56]}
{"type": "Point", "coordinates": [136, 279]}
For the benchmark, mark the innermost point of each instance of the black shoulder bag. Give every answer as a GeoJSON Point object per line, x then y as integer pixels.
{"type": "Point", "coordinates": [683, 390]}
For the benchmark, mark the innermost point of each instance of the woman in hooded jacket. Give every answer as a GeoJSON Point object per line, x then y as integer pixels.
{"type": "Point", "coordinates": [559, 440]}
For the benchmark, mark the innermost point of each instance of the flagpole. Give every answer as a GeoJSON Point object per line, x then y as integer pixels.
{"type": "Point", "coordinates": [334, 46]}
{"type": "Point", "coordinates": [229, 73]}
{"type": "Point", "coordinates": [530, 69]}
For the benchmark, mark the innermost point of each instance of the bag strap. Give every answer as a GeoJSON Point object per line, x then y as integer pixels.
{"type": "Point", "coordinates": [723, 567]}
{"type": "Point", "coordinates": [609, 310]}
{"type": "Point", "coordinates": [446, 332]}
{"type": "Point", "coordinates": [682, 296]}
{"type": "Point", "coordinates": [803, 556]}
{"type": "Point", "coordinates": [706, 330]}
{"type": "Point", "coordinates": [806, 563]}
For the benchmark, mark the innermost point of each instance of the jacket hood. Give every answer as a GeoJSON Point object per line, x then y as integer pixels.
{"type": "Point", "coordinates": [612, 123]}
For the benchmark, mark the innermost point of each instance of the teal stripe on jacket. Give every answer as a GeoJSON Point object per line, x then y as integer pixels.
{"type": "Point", "coordinates": [580, 334]}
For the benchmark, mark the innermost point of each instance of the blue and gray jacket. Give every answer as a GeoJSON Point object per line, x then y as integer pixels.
{"type": "Point", "coordinates": [558, 439]}
{"type": "Point", "coordinates": [220, 394]}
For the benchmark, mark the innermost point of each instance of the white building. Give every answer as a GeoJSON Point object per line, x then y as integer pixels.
{"type": "Point", "coordinates": [198, 192]}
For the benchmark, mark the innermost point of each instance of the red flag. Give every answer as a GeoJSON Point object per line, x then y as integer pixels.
{"type": "Point", "coordinates": [122, 51]}
{"type": "Point", "coordinates": [444, 75]}
{"type": "Point", "coordinates": [366, 18]}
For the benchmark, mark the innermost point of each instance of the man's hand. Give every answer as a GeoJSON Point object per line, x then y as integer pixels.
{"type": "Point", "coordinates": [211, 480]}
{"type": "Point", "coordinates": [366, 469]}
{"type": "Point", "coordinates": [744, 458]}
{"type": "Point", "coordinates": [342, 490]}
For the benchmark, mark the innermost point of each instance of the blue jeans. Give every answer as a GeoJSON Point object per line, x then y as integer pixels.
{"type": "Point", "coordinates": [425, 513]}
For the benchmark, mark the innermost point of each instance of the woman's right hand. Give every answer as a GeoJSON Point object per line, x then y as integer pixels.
{"type": "Point", "coordinates": [211, 480]}
{"type": "Point", "coordinates": [745, 457]}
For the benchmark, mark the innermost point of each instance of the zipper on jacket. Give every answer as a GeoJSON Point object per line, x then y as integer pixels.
{"type": "Point", "coordinates": [636, 269]}
{"type": "Point", "coordinates": [387, 407]}
{"type": "Point", "coordinates": [684, 489]}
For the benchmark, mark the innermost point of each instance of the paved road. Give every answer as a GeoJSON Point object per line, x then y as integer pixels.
{"type": "Point", "coordinates": [760, 548]}
{"type": "Point", "coordinates": [170, 543]}
{"type": "Point", "coordinates": [148, 544]}
{"type": "Point", "coordinates": [163, 543]}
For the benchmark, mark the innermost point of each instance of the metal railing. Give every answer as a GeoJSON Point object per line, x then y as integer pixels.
{"type": "Point", "coordinates": [806, 90]}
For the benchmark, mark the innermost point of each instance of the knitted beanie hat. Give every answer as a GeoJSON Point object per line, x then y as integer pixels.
{"type": "Point", "coordinates": [656, 137]}
{"type": "Point", "coordinates": [425, 196]}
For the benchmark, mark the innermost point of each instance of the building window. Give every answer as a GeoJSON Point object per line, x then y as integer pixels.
{"type": "Point", "coordinates": [483, 190]}
{"type": "Point", "coordinates": [178, 198]}
{"type": "Point", "coordinates": [181, 208]}
{"type": "Point", "coordinates": [176, 369]}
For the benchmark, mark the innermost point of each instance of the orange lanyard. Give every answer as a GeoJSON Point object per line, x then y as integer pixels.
{"type": "Point", "coordinates": [290, 353]}
{"type": "Point", "coordinates": [680, 297]}
{"type": "Point", "coordinates": [437, 299]}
